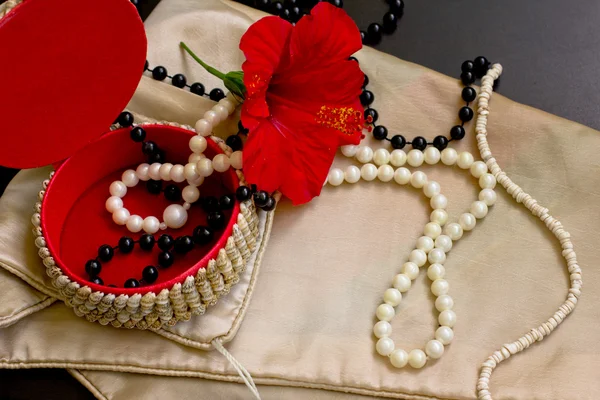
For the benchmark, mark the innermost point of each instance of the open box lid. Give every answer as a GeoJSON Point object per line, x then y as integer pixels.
{"type": "Point", "coordinates": [69, 68]}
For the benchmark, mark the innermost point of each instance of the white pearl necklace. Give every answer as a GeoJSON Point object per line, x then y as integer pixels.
{"type": "Point", "coordinates": [194, 172]}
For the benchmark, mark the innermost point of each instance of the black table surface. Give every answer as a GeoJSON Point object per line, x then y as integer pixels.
{"type": "Point", "coordinates": [549, 51]}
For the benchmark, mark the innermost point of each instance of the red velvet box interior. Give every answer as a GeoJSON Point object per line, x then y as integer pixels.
{"type": "Point", "coordinates": [76, 223]}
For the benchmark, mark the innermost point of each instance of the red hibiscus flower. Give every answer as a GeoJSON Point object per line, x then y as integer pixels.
{"type": "Point", "coordinates": [301, 101]}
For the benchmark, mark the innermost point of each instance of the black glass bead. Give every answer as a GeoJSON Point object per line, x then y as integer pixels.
{"type": "Point", "coordinates": [210, 203]}
{"type": "Point", "coordinates": [97, 280]}
{"type": "Point", "coordinates": [380, 132]}
{"type": "Point", "coordinates": [366, 98]}
{"type": "Point", "coordinates": [137, 134]}
{"type": "Point", "coordinates": [146, 242]}
{"type": "Point", "coordinates": [165, 242]}
{"type": "Point", "coordinates": [197, 88]}
{"type": "Point", "coordinates": [241, 129]}
{"type": "Point", "coordinates": [364, 38]}
{"type": "Point", "coordinates": [295, 14]}
{"type": "Point", "coordinates": [202, 235]}
{"type": "Point", "coordinates": [216, 220]}
{"type": "Point", "coordinates": [93, 267]}
{"type": "Point", "coordinates": [374, 30]}
{"type": "Point", "coordinates": [291, 3]}
{"type": "Point", "coordinates": [390, 22]}
{"type": "Point", "coordinates": [105, 252]}
{"type": "Point", "coordinates": [468, 94]}
{"type": "Point", "coordinates": [457, 132]}
{"type": "Point", "coordinates": [263, 4]}
{"type": "Point", "coordinates": [226, 202]}
{"type": "Point", "coordinates": [153, 187]}
{"type": "Point", "coordinates": [419, 143]}
{"type": "Point", "coordinates": [398, 142]}
{"type": "Point", "coordinates": [146, 65]}
{"type": "Point", "coordinates": [149, 147]}
{"type": "Point", "coordinates": [260, 198]}
{"type": "Point", "coordinates": [243, 193]}
{"type": "Point", "coordinates": [285, 14]}
{"type": "Point", "coordinates": [253, 188]}
{"type": "Point", "coordinates": [183, 244]}
{"type": "Point", "coordinates": [397, 6]}
{"type": "Point", "coordinates": [371, 112]}
{"type": "Point", "coordinates": [467, 66]}
{"type": "Point", "coordinates": [465, 114]}
{"type": "Point", "coordinates": [157, 157]}
{"type": "Point", "coordinates": [159, 73]}
{"type": "Point", "coordinates": [150, 274]}
{"type": "Point", "coordinates": [337, 3]}
{"type": "Point", "coordinates": [481, 65]}
{"type": "Point", "coordinates": [165, 259]}
{"type": "Point", "coordinates": [132, 283]}
{"type": "Point", "coordinates": [125, 119]}
{"type": "Point", "coordinates": [366, 81]}
{"type": "Point", "coordinates": [270, 205]}
{"type": "Point", "coordinates": [172, 193]}
{"type": "Point", "coordinates": [235, 142]}
{"type": "Point", "coordinates": [440, 142]}
{"type": "Point", "coordinates": [178, 80]}
{"type": "Point", "coordinates": [467, 78]}
{"type": "Point", "coordinates": [216, 94]}
{"type": "Point", "coordinates": [276, 7]}
{"type": "Point", "coordinates": [353, 59]}
{"type": "Point", "coordinates": [126, 244]}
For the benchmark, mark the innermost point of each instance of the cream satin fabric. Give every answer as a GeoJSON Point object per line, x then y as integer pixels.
{"type": "Point", "coordinates": [327, 264]}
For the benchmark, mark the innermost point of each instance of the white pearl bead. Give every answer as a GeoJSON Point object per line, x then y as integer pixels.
{"type": "Point", "coordinates": [443, 242]}
{"type": "Point", "coordinates": [415, 158]}
{"type": "Point", "coordinates": [118, 188]}
{"type": "Point", "coordinates": [237, 159]}
{"type": "Point", "coordinates": [399, 358]}
{"type": "Point", "coordinates": [194, 158]}
{"type": "Point", "coordinates": [432, 229]}
{"type": "Point", "coordinates": [196, 182]}
{"type": "Point", "coordinates": [154, 171]}
{"type": "Point", "coordinates": [385, 173]}
{"type": "Point", "coordinates": [382, 329]}
{"type": "Point", "coordinates": [425, 243]}
{"type": "Point", "coordinates": [178, 173]}
{"type": "Point", "coordinates": [465, 160]}
{"type": "Point", "coordinates": [349, 150]}
{"type": "Point", "coordinates": [134, 223]}
{"type": "Point", "coordinates": [402, 283]}
{"type": "Point", "coordinates": [352, 174]}
{"type": "Point", "coordinates": [121, 216]}
{"type": "Point", "coordinates": [162, 226]}
{"type": "Point", "coordinates": [478, 168]}
{"type": "Point", "coordinates": [398, 158]}
{"type": "Point", "coordinates": [454, 230]}
{"type": "Point", "coordinates": [444, 302]}
{"type": "Point", "coordinates": [436, 256]}
{"type": "Point", "coordinates": [467, 221]}
{"type": "Point", "coordinates": [204, 167]}
{"type": "Point", "coordinates": [190, 193]}
{"type": "Point", "coordinates": [487, 181]}
{"type": "Point", "coordinates": [402, 176]}
{"type": "Point", "coordinates": [189, 171]}
{"type": "Point", "coordinates": [113, 203]}
{"type": "Point", "coordinates": [434, 349]}
{"type": "Point", "coordinates": [368, 172]}
{"type": "Point", "coordinates": [198, 144]}
{"type": "Point", "coordinates": [417, 358]}
{"type": "Point", "coordinates": [438, 201]}
{"type": "Point", "coordinates": [228, 104]}
{"type": "Point", "coordinates": [488, 196]}
{"type": "Point", "coordinates": [440, 287]}
{"type": "Point", "coordinates": [186, 206]}
{"type": "Point", "coordinates": [165, 171]}
{"type": "Point", "coordinates": [335, 177]}
{"type": "Point", "coordinates": [418, 179]}
{"type": "Point", "coordinates": [444, 334]}
{"type": "Point", "coordinates": [385, 346]}
{"type": "Point", "coordinates": [203, 127]}
{"type": "Point", "coordinates": [431, 188]}
{"type": "Point", "coordinates": [447, 318]}
{"type": "Point", "coordinates": [392, 296]}
{"type": "Point", "coordinates": [381, 157]}
{"type": "Point", "coordinates": [418, 257]}
{"type": "Point", "coordinates": [221, 111]}
{"type": "Point", "coordinates": [479, 209]}
{"type": "Point", "coordinates": [436, 271]}
{"type": "Point", "coordinates": [449, 156]}
{"type": "Point", "coordinates": [175, 216]}
{"type": "Point", "coordinates": [142, 172]}
{"type": "Point", "coordinates": [221, 163]}
{"type": "Point", "coordinates": [151, 225]}
{"type": "Point", "coordinates": [410, 269]}
{"type": "Point", "coordinates": [439, 215]}
{"type": "Point", "coordinates": [211, 117]}
{"type": "Point", "coordinates": [385, 312]}
{"type": "Point", "coordinates": [364, 154]}
{"type": "Point", "coordinates": [432, 155]}
{"type": "Point", "coordinates": [129, 178]}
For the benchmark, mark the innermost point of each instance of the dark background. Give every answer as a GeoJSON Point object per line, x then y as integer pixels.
{"type": "Point", "coordinates": [550, 54]}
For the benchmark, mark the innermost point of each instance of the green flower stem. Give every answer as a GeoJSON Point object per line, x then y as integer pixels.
{"type": "Point", "coordinates": [207, 67]}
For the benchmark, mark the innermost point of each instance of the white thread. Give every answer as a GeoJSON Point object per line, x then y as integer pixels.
{"type": "Point", "coordinates": [242, 372]}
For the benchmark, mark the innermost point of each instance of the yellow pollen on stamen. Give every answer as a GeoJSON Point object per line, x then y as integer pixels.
{"type": "Point", "coordinates": [343, 119]}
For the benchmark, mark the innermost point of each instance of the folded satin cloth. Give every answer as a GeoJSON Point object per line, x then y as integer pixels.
{"type": "Point", "coordinates": [307, 327]}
